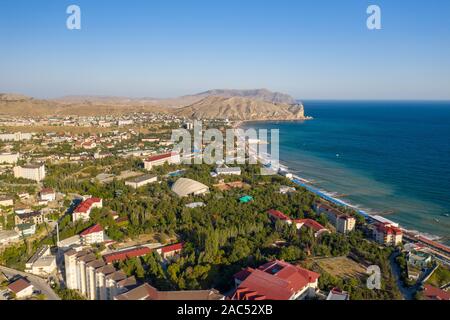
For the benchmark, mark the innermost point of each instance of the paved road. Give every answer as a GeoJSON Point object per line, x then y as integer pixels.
{"type": "Point", "coordinates": [38, 283]}
{"type": "Point", "coordinates": [407, 292]}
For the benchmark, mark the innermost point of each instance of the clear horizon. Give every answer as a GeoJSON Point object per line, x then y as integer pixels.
{"type": "Point", "coordinates": [319, 50]}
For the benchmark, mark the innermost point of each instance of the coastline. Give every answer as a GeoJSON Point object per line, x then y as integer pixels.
{"type": "Point", "coordinates": [415, 235]}
{"type": "Point", "coordinates": [237, 124]}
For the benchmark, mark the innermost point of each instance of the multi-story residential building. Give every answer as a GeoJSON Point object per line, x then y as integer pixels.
{"type": "Point", "coordinates": [92, 278]}
{"type": "Point", "coordinates": [17, 136]}
{"type": "Point", "coordinates": [276, 280]}
{"type": "Point", "coordinates": [83, 210]}
{"type": "Point", "coordinates": [344, 223]}
{"type": "Point", "coordinates": [32, 171]}
{"type": "Point", "coordinates": [34, 217]}
{"type": "Point", "coordinates": [299, 223]}
{"type": "Point", "coordinates": [387, 234]}
{"type": "Point", "coordinates": [9, 158]}
{"type": "Point", "coordinates": [92, 235]}
{"type": "Point", "coordinates": [159, 160]}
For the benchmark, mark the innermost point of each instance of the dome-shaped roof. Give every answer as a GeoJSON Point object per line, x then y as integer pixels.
{"type": "Point", "coordinates": [183, 187]}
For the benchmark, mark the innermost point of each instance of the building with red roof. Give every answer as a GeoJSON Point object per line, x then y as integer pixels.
{"type": "Point", "coordinates": [343, 222]}
{"type": "Point", "coordinates": [433, 293]}
{"type": "Point", "coordinates": [311, 224]}
{"type": "Point", "coordinates": [276, 280]}
{"type": "Point", "coordinates": [387, 234]}
{"type": "Point", "coordinates": [170, 251]}
{"type": "Point", "coordinates": [126, 254]}
{"type": "Point", "coordinates": [92, 235]}
{"type": "Point", "coordinates": [83, 210]}
{"type": "Point", "coordinates": [47, 194]}
{"type": "Point", "coordinates": [160, 159]}
{"type": "Point", "coordinates": [278, 215]}
{"type": "Point", "coordinates": [22, 288]}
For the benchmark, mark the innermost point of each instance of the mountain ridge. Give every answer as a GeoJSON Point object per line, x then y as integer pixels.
{"type": "Point", "coordinates": [232, 104]}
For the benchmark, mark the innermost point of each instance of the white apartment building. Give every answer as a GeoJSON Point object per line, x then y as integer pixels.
{"type": "Point", "coordinates": [83, 210]}
{"type": "Point", "coordinates": [343, 222]}
{"type": "Point", "coordinates": [32, 171]}
{"type": "Point", "coordinates": [92, 278]}
{"type": "Point", "coordinates": [17, 136]}
{"type": "Point", "coordinates": [9, 158]}
{"type": "Point", "coordinates": [92, 235]}
{"type": "Point", "coordinates": [387, 234]}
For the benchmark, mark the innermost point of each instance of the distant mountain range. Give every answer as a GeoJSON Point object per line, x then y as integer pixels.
{"type": "Point", "coordinates": [258, 104]}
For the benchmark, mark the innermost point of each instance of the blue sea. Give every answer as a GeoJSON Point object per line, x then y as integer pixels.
{"type": "Point", "coordinates": [385, 157]}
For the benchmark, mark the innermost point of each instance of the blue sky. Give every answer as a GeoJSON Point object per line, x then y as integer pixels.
{"type": "Point", "coordinates": [311, 49]}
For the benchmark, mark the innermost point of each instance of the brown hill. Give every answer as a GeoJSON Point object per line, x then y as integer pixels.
{"type": "Point", "coordinates": [35, 108]}
{"type": "Point", "coordinates": [238, 108]}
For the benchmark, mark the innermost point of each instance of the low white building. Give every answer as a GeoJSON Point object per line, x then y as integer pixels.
{"type": "Point", "coordinates": [9, 158]}
{"type": "Point", "coordinates": [26, 229]}
{"type": "Point", "coordinates": [47, 194]}
{"type": "Point", "coordinates": [22, 288]}
{"type": "Point", "coordinates": [42, 263]}
{"type": "Point", "coordinates": [141, 181]}
{"type": "Point", "coordinates": [68, 243]}
{"type": "Point", "coordinates": [229, 171]}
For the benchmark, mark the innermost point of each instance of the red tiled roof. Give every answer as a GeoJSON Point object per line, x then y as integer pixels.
{"type": "Point", "coordinates": [19, 285]}
{"type": "Point", "coordinates": [86, 205]}
{"type": "Point", "coordinates": [126, 254]}
{"type": "Point", "coordinates": [278, 215]}
{"type": "Point", "coordinates": [47, 191]}
{"type": "Point", "coordinates": [93, 229]}
{"type": "Point", "coordinates": [243, 274]}
{"type": "Point", "coordinates": [172, 247]}
{"type": "Point", "coordinates": [310, 223]}
{"type": "Point", "coordinates": [433, 293]}
{"type": "Point", "coordinates": [388, 229]}
{"type": "Point", "coordinates": [159, 157]}
{"type": "Point", "coordinates": [276, 280]}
